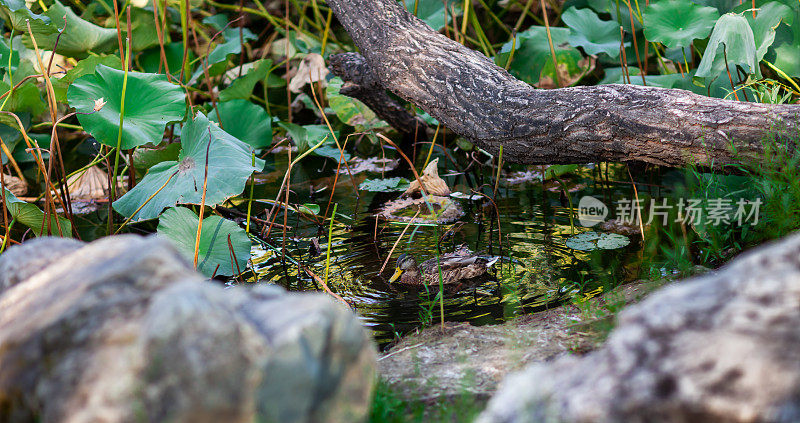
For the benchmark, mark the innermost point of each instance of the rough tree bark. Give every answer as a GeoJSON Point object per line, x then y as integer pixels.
{"type": "Point", "coordinates": [482, 102]}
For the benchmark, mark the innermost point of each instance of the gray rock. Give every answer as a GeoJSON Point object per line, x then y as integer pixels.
{"type": "Point", "coordinates": [22, 261]}
{"type": "Point", "coordinates": [723, 347]}
{"type": "Point", "coordinates": [472, 360]}
{"type": "Point", "coordinates": [124, 330]}
{"type": "Point", "coordinates": [466, 359]}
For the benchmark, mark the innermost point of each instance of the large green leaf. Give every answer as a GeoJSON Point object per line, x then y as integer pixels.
{"type": "Point", "coordinates": [786, 49]}
{"type": "Point", "coordinates": [587, 30]}
{"type": "Point", "coordinates": [16, 14]}
{"type": "Point", "coordinates": [179, 225]}
{"type": "Point", "coordinates": [31, 216]}
{"type": "Point", "coordinates": [5, 50]}
{"type": "Point", "coordinates": [788, 59]}
{"type": "Point", "coordinates": [722, 6]}
{"type": "Point", "coordinates": [25, 99]}
{"type": "Point", "coordinates": [676, 23]}
{"type": "Point", "coordinates": [79, 36]}
{"type": "Point", "coordinates": [768, 17]}
{"type": "Point", "coordinates": [232, 45]}
{"type": "Point", "coordinates": [150, 59]}
{"type": "Point", "coordinates": [532, 53]}
{"type": "Point", "coordinates": [84, 67]}
{"type": "Point", "coordinates": [150, 103]}
{"type": "Point", "coordinates": [732, 37]}
{"type": "Point", "coordinates": [432, 12]}
{"type": "Point", "coordinates": [245, 121]}
{"type": "Point", "coordinates": [618, 10]}
{"type": "Point", "coordinates": [144, 32]}
{"type": "Point", "coordinates": [229, 165]}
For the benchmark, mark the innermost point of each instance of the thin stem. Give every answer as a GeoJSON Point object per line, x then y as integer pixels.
{"type": "Point", "coordinates": [113, 196]}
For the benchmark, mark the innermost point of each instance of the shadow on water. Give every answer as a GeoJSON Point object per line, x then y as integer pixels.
{"type": "Point", "coordinates": [537, 269]}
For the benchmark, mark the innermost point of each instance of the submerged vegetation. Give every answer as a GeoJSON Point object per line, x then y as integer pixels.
{"type": "Point", "coordinates": [219, 126]}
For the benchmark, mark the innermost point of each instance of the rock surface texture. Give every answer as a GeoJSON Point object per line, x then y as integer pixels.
{"type": "Point", "coordinates": [717, 348]}
{"type": "Point", "coordinates": [465, 359]}
{"type": "Point", "coordinates": [124, 330]}
{"type": "Point", "coordinates": [472, 360]}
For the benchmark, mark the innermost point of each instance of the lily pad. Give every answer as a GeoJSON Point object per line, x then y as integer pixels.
{"type": "Point", "coordinates": [145, 158]}
{"type": "Point", "coordinates": [150, 103]}
{"type": "Point", "coordinates": [589, 241]}
{"type": "Point", "coordinates": [385, 185]}
{"type": "Point", "coordinates": [79, 37]}
{"type": "Point", "coordinates": [769, 17]}
{"type": "Point", "coordinates": [33, 217]}
{"type": "Point", "coordinates": [179, 225]}
{"type": "Point", "coordinates": [229, 166]}
{"type": "Point", "coordinates": [85, 66]}
{"type": "Point", "coordinates": [732, 34]}
{"type": "Point", "coordinates": [676, 23]}
{"type": "Point", "coordinates": [245, 121]}
{"type": "Point", "coordinates": [587, 30]}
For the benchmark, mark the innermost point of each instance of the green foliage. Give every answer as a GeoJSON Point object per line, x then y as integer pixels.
{"type": "Point", "coordinates": [150, 103]}
{"type": "Point", "coordinates": [591, 33]}
{"type": "Point", "coordinates": [33, 217]}
{"type": "Point", "coordinates": [389, 406]}
{"type": "Point", "coordinates": [229, 166]}
{"type": "Point", "coordinates": [384, 185]}
{"type": "Point", "coordinates": [731, 44]}
{"type": "Point", "coordinates": [351, 111]}
{"type": "Point", "coordinates": [677, 23]}
{"type": "Point", "coordinates": [245, 121]}
{"type": "Point", "coordinates": [532, 53]}
{"type": "Point", "coordinates": [432, 12]}
{"type": "Point", "coordinates": [215, 256]}
{"type": "Point", "coordinates": [307, 136]}
{"type": "Point", "coordinates": [588, 241]}
{"type": "Point", "coordinates": [252, 74]}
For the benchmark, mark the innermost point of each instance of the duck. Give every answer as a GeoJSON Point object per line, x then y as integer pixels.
{"type": "Point", "coordinates": [460, 265]}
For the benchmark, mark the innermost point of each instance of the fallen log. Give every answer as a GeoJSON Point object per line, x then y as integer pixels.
{"type": "Point", "coordinates": [483, 103]}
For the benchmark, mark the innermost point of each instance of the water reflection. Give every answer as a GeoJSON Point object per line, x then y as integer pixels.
{"type": "Point", "coordinates": [537, 269]}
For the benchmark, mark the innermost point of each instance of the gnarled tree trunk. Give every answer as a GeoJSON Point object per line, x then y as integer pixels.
{"type": "Point", "coordinates": [482, 102]}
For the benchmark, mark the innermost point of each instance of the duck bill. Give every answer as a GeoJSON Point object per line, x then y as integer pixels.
{"type": "Point", "coordinates": [396, 276]}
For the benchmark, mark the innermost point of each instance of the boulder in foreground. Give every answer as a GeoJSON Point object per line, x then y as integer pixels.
{"type": "Point", "coordinates": [717, 348]}
{"type": "Point", "coordinates": [124, 330]}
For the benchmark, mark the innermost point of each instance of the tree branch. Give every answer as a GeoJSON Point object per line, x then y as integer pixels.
{"type": "Point", "coordinates": [482, 102]}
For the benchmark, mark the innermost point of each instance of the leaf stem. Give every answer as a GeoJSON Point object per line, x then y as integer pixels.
{"type": "Point", "coordinates": [119, 133]}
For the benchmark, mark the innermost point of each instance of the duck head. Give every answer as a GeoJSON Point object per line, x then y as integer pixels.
{"type": "Point", "coordinates": [404, 263]}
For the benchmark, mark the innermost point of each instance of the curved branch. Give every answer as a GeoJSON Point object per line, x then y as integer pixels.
{"type": "Point", "coordinates": [482, 102]}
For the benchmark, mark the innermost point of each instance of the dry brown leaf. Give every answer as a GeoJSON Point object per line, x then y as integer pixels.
{"type": "Point", "coordinates": [433, 184]}
{"type": "Point", "coordinates": [18, 187]}
{"type": "Point", "coordinates": [59, 63]}
{"type": "Point", "coordinates": [90, 185]}
{"type": "Point", "coordinates": [311, 69]}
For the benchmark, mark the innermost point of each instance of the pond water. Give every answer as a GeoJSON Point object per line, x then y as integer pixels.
{"type": "Point", "coordinates": [537, 269]}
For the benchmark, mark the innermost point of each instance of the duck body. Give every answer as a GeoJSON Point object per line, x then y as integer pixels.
{"type": "Point", "coordinates": [458, 266]}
